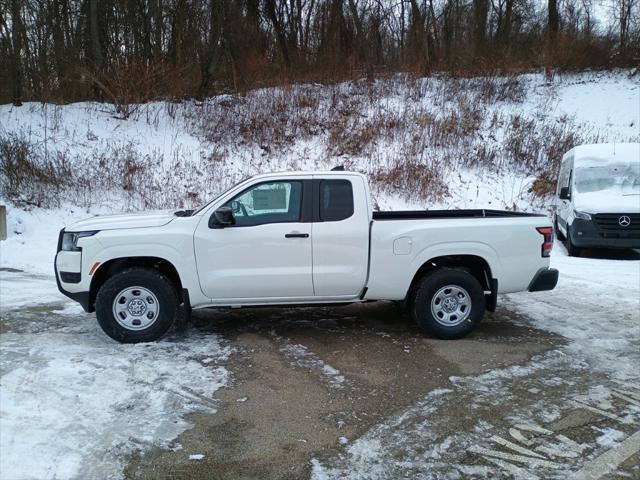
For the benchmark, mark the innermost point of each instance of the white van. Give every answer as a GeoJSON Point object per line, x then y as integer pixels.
{"type": "Point", "coordinates": [598, 197]}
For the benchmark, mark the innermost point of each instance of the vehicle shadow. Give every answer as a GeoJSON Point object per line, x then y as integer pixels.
{"type": "Point", "coordinates": [356, 321]}
{"type": "Point", "coordinates": [378, 316]}
{"type": "Point", "coordinates": [610, 254]}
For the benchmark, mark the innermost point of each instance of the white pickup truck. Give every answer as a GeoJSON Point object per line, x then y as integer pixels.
{"type": "Point", "coordinates": [300, 239]}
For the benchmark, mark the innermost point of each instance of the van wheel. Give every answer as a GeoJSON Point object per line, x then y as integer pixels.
{"type": "Point", "coordinates": [448, 303]}
{"type": "Point", "coordinates": [559, 234]}
{"type": "Point", "coordinates": [137, 305]}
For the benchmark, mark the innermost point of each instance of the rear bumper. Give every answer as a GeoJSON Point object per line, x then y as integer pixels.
{"type": "Point", "coordinates": [544, 279]}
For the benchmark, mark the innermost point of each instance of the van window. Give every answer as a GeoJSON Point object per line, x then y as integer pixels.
{"type": "Point", "coordinates": [618, 176]}
{"type": "Point", "coordinates": [336, 200]}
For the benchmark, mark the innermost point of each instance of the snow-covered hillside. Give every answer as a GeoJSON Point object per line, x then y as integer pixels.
{"type": "Point", "coordinates": [427, 143]}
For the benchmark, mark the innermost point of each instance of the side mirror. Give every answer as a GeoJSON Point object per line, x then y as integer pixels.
{"type": "Point", "coordinates": [564, 193]}
{"type": "Point", "coordinates": [222, 217]}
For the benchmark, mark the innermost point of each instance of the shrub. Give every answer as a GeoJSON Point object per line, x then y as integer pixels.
{"type": "Point", "coordinates": [27, 177]}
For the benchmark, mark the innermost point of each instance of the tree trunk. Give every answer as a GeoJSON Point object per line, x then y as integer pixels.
{"type": "Point", "coordinates": [480, 12]}
{"type": "Point", "coordinates": [212, 55]}
{"type": "Point", "coordinates": [553, 20]}
{"type": "Point", "coordinates": [16, 21]}
{"type": "Point", "coordinates": [279, 31]}
{"type": "Point", "coordinates": [94, 36]}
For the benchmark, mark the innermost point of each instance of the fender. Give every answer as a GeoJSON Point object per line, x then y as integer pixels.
{"type": "Point", "coordinates": [478, 249]}
{"type": "Point", "coordinates": [392, 282]}
{"type": "Point", "coordinates": [184, 264]}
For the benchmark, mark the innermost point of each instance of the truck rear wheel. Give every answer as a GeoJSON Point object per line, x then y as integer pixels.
{"type": "Point", "coordinates": [136, 305]}
{"type": "Point", "coordinates": [448, 303]}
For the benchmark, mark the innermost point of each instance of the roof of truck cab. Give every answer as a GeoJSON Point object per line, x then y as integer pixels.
{"type": "Point", "coordinates": [336, 173]}
{"type": "Point", "coordinates": [607, 152]}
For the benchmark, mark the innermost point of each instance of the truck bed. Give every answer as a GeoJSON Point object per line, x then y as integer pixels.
{"type": "Point", "coordinates": [434, 214]}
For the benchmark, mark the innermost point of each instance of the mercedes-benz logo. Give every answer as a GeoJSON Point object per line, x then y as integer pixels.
{"type": "Point", "coordinates": [624, 221]}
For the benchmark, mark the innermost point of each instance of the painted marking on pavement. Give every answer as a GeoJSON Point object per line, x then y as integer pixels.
{"type": "Point", "coordinates": [625, 398]}
{"type": "Point", "coordinates": [572, 444]}
{"type": "Point", "coordinates": [609, 460]}
{"type": "Point", "coordinates": [628, 393]}
{"type": "Point", "coordinates": [534, 428]}
{"type": "Point", "coordinates": [518, 472]}
{"type": "Point", "coordinates": [516, 434]}
{"type": "Point", "coordinates": [513, 457]}
{"type": "Point", "coordinates": [554, 452]}
{"type": "Point", "coordinates": [599, 411]}
{"type": "Point", "coordinates": [513, 446]}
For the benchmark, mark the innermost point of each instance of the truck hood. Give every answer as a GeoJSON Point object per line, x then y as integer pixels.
{"type": "Point", "coordinates": [123, 220]}
{"type": "Point", "coordinates": [607, 202]}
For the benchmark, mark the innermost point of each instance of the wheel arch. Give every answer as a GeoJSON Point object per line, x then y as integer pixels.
{"type": "Point", "coordinates": [115, 265]}
{"type": "Point", "coordinates": [476, 265]}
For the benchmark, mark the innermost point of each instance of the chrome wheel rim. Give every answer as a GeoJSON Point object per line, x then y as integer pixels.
{"type": "Point", "coordinates": [451, 305]}
{"type": "Point", "coordinates": [136, 308]}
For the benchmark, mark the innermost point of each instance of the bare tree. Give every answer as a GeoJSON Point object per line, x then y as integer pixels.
{"type": "Point", "coordinates": [16, 32]}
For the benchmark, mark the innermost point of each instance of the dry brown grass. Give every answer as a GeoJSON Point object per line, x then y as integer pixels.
{"type": "Point", "coordinates": [408, 133]}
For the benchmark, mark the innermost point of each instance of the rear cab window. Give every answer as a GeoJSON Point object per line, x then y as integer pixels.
{"type": "Point", "coordinates": [336, 200]}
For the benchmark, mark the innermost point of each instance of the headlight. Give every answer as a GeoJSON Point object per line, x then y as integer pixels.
{"type": "Point", "coordinates": [70, 240]}
{"type": "Point", "coordinates": [582, 215]}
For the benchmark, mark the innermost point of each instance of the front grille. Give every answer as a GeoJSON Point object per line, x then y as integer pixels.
{"type": "Point", "coordinates": [608, 225]}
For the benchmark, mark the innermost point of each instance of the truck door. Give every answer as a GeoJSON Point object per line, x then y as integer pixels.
{"type": "Point", "coordinates": [340, 237]}
{"type": "Point", "coordinates": [267, 253]}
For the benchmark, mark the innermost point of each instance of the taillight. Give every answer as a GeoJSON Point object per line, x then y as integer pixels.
{"type": "Point", "coordinates": [547, 244]}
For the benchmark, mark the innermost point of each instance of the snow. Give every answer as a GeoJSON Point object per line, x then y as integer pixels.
{"type": "Point", "coordinates": [303, 358]}
{"type": "Point", "coordinates": [32, 237]}
{"type": "Point", "coordinates": [18, 290]}
{"type": "Point", "coordinates": [609, 437]}
{"type": "Point", "coordinates": [83, 403]}
{"type": "Point", "coordinates": [596, 304]}
{"type": "Point", "coordinates": [603, 99]}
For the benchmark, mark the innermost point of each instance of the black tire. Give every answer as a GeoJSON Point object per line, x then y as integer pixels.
{"type": "Point", "coordinates": [156, 283]}
{"type": "Point", "coordinates": [572, 250]}
{"type": "Point", "coordinates": [559, 234]}
{"type": "Point", "coordinates": [426, 290]}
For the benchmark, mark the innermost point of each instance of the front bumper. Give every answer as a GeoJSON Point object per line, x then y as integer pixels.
{"type": "Point", "coordinates": [68, 267]}
{"type": "Point", "coordinates": [586, 234]}
{"type": "Point", "coordinates": [544, 279]}
{"type": "Point", "coordinates": [82, 298]}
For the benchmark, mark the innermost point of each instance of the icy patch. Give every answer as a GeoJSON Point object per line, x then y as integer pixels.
{"type": "Point", "coordinates": [400, 444]}
{"type": "Point", "coordinates": [17, 290]}
{"type": "Point", "coordinates": [596, 306]}
{"type": "Point", "coordinates": [303, 358]}
{"type": "Point", "coordinates": [196, 456]}
{"type": "Point", "coordinates": [84, 402]}
{"type": "Point", "coordinates": [609, 437]}
{"type": "Point", "coordinates": [71, 308]}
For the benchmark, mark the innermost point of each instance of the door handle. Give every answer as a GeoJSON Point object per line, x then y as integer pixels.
{"type": "Point", "coordinates": [296, 235]}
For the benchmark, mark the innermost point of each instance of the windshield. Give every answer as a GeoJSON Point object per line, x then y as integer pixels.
{"type": "Point", "coordinates": [199, 209]}
{"type": "Point", "coordinates": [623, 178]}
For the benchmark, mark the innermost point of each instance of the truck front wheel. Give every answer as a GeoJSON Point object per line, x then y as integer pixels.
{"type": "Point", "coordinates": [136, 305]}
{"type": "Point", "coordinates": [448, 303]}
